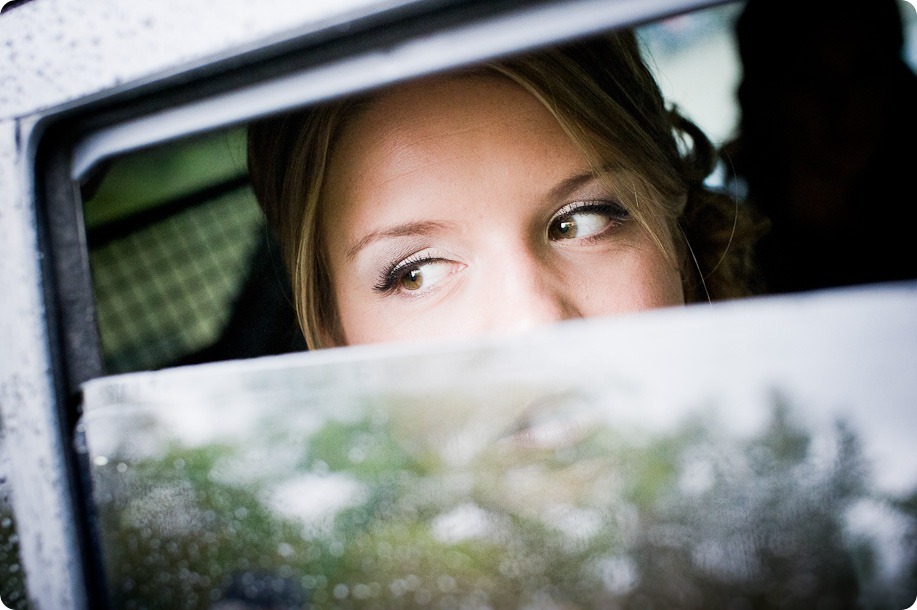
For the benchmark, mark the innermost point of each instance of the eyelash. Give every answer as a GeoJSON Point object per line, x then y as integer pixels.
{"type": "Point", "coordinates": [390, 279]}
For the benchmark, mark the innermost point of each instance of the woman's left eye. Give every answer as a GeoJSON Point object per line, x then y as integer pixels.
{"type": "Point", "coordinates": [584, 220]}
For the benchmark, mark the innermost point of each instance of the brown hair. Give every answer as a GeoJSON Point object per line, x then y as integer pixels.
{"type": "Point", "coordinates": [606, 100]}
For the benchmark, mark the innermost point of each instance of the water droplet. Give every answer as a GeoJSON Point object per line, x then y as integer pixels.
{"type": "Point", "coordinates": [361, 591]}
{"type": "Point", "coordinates": [356, 455]}
{"type": "Point", "coordinates": [79, 439]}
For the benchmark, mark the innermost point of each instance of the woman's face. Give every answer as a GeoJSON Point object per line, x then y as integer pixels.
{"type": "Point", "coordinates": [457, 206]}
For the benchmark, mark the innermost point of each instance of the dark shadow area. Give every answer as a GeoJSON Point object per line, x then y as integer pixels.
{"type": "Point", "coordinates": [826, 142]}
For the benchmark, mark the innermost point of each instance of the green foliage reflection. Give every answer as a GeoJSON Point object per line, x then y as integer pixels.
{"type": "Point", "coordinates": [371, 517]}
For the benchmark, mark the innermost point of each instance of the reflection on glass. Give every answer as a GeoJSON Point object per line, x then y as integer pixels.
{"type": "Point", "coordinates": [754, 455]}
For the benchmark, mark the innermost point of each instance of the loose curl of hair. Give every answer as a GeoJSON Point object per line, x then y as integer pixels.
{"type": "Point", "coordinates": [607, 102]}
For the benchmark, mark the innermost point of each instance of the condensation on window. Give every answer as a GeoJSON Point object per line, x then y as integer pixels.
{"type": "Point", "coordinates": [12, 580]}
{"type": "Point", "coordinates": [53, 52]}
{"type": "Point", "coordinates": [745, 455]}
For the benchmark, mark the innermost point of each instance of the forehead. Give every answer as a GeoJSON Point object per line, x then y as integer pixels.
{"type": "Point", "coordinates": [408, 141]}
{"type": "Point", "coordinates": [448, 106]}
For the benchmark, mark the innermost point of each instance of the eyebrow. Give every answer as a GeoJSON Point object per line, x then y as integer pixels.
{"type": "Point", "coordinates": [565, 187]}
{"type": "Point", "coordinates": [424, 227]}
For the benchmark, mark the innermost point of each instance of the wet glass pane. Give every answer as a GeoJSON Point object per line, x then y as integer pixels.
{"type": "Point", "coordinates": [748, 455]}
{"type": "Point", "coordinates": [12, 582]}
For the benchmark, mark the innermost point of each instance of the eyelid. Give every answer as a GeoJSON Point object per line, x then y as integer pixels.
{"type": "Point", "coordinates": [384, 283]}
{"type": "Point", "coordinates": [586, 204]}
{"type": "Point", "coordinates": [613, 213]}
{"type": "Point", "coordinates": [415, 260]}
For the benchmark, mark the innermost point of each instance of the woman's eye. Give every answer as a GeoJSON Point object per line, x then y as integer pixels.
{"type": "Point", "coordinates": [417, 276]}
{"type": "Point", "coordinates": [585, 221]}
{"type": "Point", "coordinates": [426, 275]}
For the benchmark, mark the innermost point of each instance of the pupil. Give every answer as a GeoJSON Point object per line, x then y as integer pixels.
{"type": "Point", "coordinates": [413, 279]}
{"type": "Point", "coordinates": [567, 226]}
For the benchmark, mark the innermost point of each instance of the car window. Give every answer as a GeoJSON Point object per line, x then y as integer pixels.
{"type": "Point", "coordinates": [598, 464]}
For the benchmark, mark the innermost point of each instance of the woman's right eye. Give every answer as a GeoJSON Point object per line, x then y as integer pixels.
{"type": "Point", "coordinates": [416, 276]}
